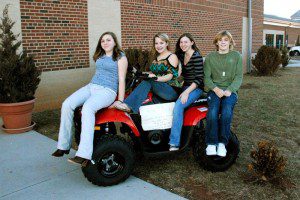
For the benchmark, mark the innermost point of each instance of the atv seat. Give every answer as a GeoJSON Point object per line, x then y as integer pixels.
{"type": "Point", "coordinates": [201, 100]}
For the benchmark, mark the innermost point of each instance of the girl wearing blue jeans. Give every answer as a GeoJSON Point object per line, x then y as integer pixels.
{"type": "Point", "coordinates": [192, 72]}
{"type": "Point", "coordinates": [223, 74]}
{"type": "Point", "coordinates": [101, 92]}
{"type": "Point", "coordinates": [164, 67]}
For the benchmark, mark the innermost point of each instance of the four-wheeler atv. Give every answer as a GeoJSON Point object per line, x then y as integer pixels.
{"type": "Point", "coordinates": [120, 138]}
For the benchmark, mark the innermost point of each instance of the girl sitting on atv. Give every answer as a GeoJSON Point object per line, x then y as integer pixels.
{"type": "Point", "coordinates": [223, 73]}
{"type": "Point", "coordinates": [192, 72]}
{"type": "Point", "coordinates": [109, 78]}
{"type": "Point", "coordinates": [164, 68]}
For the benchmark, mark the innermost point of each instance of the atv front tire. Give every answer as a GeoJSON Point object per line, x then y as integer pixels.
{"type": "Point", "coordinates": [112, 161]}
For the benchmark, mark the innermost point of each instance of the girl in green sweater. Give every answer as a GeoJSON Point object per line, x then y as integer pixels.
{"type": "Point", "coordinates": [223, 73]}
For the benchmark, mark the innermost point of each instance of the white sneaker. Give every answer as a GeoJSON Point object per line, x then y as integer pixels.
{"type": "Point", "coordinates": [211, 150]}
{"type": "Point", "coordinates": [173, 148]}
{"type": "Point", "coordinates": [221, 150]}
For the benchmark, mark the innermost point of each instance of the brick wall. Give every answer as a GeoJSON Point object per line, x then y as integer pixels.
{"type": "Point", "coordinates": [141, 19]}
{"type": "Point", "coordinates": [56, 32]}
{"type": "Point", "coordinates": [293, 34]}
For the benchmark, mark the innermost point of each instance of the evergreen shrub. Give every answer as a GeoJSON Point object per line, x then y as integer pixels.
{"type": "Point", "coordinates": [267, 163]}
{"type": "Point", "coordinates": [267, 61]}
{"type": "Point", "coordinates": [19, 77]}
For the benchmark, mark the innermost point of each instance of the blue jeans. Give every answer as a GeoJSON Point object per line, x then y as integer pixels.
{"type": "Point", "coordinates": [218, 128]}
{"type": "Point", "coordinates": [178, 116]}
{"type": "Point", "coordinates": [139, 94]}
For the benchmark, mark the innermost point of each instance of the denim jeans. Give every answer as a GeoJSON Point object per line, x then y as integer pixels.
{"type": "Point", "coordinates": [93, 97]}
{"type": "Point", "coordinates": [218, 128]}
{"type": "Point", "coordinates": [139, 94]}
{"type": "Point", "coordinates": [178, 115]}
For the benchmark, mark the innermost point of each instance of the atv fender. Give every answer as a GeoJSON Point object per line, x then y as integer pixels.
{"type": "Point", "coordinates": [114, 115]}
{"type": "Point", "coordinates": [194, 114]}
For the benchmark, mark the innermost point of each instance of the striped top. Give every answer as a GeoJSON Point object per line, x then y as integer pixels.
{"type": "Point", "coordinates": [193, 72]}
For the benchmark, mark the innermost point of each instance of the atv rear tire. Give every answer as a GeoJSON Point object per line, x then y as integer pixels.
{"type": "Point", "coordinates": [112, 161]}
{"type": "Point", "coordinates": [215, 163]}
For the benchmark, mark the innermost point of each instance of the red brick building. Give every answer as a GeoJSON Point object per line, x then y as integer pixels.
{"type": "Point", "coordinates": [142, 19]}
{"type": "Point", "coordinates": [280, 31]}
{"type": "Point", "coordinates": [62, 34]}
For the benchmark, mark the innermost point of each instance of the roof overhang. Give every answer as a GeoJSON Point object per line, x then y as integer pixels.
{"type": "Point", "coordinates": [282, 23]}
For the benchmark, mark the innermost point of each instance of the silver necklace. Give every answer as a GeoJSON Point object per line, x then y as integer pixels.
{"type": "Point", "coordinates": [222, 63]}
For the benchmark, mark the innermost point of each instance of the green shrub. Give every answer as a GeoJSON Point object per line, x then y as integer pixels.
{"type": "Point", "coordinates": [19, 77]}
{"type": "Point", "coordinates": [267, 60]}
{"type": "Point", "coordinates": [138, 58]}
{"type": "Point", "coordinates": [267, 164]}
{"type": "Point", "coordinates": [285, 58]}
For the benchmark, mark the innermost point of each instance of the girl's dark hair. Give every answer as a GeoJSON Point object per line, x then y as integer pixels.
{"type": "Point", "coordinates": [100, 51]}
{"type": "Point", "coordinates": [178, 50]}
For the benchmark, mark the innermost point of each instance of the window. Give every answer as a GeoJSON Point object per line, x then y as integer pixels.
{"type": "Point", "coordinates": [270, 40]}
{"type": "Point", "coordinates": [279, 41]}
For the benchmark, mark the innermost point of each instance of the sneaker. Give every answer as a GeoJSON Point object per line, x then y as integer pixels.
{"type": "Point", "coordinates": [211, 150]}
{"type": "Point", "coordinates": [221, 150]}
{"type": "Point", "coordinates": [173, 148]}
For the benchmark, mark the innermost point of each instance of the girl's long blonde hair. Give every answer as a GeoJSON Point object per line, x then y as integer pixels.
{"type": "Point", "coordinates": [162, 36]}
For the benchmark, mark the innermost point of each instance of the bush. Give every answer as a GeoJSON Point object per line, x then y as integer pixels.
{"type": "Point", "coordinates": [267, 60]}
{"type": "Point", "coordinates": [267, 164]}
{"type": "Point", "coordinates": [285, 58]}
{"type": "Point", "coordinates": [19, 76]}
{"type": "Point", "coordinates": [138, 58]}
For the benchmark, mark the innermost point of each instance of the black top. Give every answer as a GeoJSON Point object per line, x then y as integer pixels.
{"type": "Point", "coordinates": [193, 72]}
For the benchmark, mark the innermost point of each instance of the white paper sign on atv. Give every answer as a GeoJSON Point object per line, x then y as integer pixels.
{"type": "Point", "coordinates": [157, 116]}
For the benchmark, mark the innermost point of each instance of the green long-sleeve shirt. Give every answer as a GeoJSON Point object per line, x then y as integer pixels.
{"type": "Point", "coordinates": [224, 71]}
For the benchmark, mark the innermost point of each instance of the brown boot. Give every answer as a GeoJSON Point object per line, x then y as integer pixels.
{"type": "Point", "coordinates": [77, 160]}
{"type": "Point", "coordinates": [60, 153]}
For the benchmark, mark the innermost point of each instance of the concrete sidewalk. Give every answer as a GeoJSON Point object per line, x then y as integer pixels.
{"type": "Point", "coordinates": [294, 63]}
{"type": "Point", "coordinates": [27, 171]}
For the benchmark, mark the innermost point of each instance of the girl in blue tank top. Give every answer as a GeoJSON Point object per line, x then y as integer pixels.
{"type": "Point", "coordinates": [101, 92]}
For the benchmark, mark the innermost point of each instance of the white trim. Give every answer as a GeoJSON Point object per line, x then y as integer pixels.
{"type": "Point", "coordinates": [274, 33]}
{"type": "Point", "coordinates": [104, 15]}
{"type": "Point", "coordinates": [291, 25]}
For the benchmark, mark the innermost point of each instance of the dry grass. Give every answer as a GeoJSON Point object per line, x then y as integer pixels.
{"type": "Point", "coordinates": [267, 110]}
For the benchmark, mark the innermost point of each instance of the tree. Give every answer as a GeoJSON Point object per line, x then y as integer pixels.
{"type": "Point", "coordinates": [19, 77]}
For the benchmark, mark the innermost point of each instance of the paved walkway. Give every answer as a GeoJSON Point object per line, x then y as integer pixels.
{"type": "Point", "coordinates": [27, 171]}
{"type": "Point", "coordinates": [294, 63]}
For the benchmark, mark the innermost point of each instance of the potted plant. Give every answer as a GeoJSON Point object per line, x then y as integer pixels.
{"type": "Point", "coordinates": [19, 78]}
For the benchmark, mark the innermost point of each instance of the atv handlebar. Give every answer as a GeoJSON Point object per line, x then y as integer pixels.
{"type": "Point", "coordinates": [145, 76]}
{"type": "Point", "coordinates": [136, 77]}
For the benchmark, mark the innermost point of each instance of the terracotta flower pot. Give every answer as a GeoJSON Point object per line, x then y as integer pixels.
{"type": "Point", "coordinates": [17, 116]}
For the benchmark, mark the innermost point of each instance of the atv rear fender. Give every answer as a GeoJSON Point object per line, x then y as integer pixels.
{"type": "Point", "coordinates": [194, 114]}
